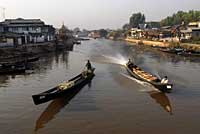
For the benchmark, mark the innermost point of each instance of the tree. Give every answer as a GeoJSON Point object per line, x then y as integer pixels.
{"type": "Point", "coordinates": [103, 32]}
{"type": "Point", "coordinates": [126, 27]}
{"type": "Point", "coordinates": [136, 19]}
{"type": "Point", "coordinates": [180, 16]}
{"type": "Point", "coordinates": [76, 30]}
{"type": "Point", "coordinates": [116, 34]}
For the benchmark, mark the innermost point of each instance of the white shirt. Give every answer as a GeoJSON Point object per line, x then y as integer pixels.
{"type": "Point", "coordinates": [164, 81]}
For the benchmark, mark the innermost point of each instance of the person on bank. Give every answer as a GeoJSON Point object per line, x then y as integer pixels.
{"type": "Point", "coordinates": [164, 80]}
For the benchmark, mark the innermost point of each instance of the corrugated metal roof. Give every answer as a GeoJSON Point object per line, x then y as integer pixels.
{"type": "Point", "coordinates": [23, 21]}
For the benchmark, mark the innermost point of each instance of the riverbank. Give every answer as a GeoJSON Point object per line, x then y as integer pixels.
{"type": "Point", "coordinates": [146, 42]}
{"type": "Point", "coordinates": [187, 46]}
{"type": "Point", "coordinates": [10, 54]}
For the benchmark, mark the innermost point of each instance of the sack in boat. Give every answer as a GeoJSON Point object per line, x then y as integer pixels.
{"type": "Point", "coordinates": [89, 71]}
{"type": "Point", "coordinates": [86, 72]}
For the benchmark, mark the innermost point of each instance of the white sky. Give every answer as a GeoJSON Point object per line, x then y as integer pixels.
{"type": "Point", "coordinates": [94, 14]}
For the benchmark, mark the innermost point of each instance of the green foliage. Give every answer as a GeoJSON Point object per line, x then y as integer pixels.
{"type": "Point", "coordinates": [126, 27]}
{"type": "Point", "coordinates": [180, 17]}
{"type": "Point", "coordinates": [103, 32]}
{"type": "Point", "coordinates": [136, 19]}
{"type": "Point", "coordinates": [116, 34]}
{"type": "Point", "coordinates": [153, 24]}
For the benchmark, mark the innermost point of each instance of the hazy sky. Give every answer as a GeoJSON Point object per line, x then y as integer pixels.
{"type": "Point", "coordinates": [94, 14]}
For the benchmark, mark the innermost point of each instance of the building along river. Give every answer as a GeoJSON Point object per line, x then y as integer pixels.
{"type": "Point", "coordinates": [113, 102]}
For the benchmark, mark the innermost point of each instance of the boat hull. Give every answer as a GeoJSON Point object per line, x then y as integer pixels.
{"type": "Point", "coordinates": [50, 94]}
{"type": "Point", "coordinates": [157, 85]}
{"type": "Point", "coordinates": [12, 69]}
{"type": "Point", "coordinates": [181, 53]}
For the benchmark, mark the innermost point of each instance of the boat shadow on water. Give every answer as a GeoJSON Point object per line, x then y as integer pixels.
{"type": "Point", "coordinates": [162, 99]}
{"type": "Point", "coordinates": [55, 107]}
{"type": "Point", "coordinates": [159, 97]}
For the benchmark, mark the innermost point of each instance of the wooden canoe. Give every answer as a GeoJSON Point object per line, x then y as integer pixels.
{"type": "Point", "coordinates": [77, 82]}
{"type": "Point", "coordinates": [146, 77]}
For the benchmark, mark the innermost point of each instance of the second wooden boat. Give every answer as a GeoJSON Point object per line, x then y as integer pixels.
{"type": "Point", "coordinates": [139, 74]}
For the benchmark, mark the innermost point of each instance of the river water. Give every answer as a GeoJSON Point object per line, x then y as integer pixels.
{"type": "Point", "coordinates": [112, 103]}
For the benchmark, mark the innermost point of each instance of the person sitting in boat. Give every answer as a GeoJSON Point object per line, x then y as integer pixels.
{"type": "Point", "coordinates": [164, 80]}
{"type": "Point", "coordinates": [130, 63]}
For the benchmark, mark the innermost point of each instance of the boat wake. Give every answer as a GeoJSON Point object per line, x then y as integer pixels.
{"type": "Point", "coordinates": [148, 87]}
{"type": "Point", "coordinates": [119, 59]}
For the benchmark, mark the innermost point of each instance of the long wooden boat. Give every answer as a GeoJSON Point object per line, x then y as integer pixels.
{"type": "Point", "coordinates": [137, 73]}
{"type": "Point", "coordinates": [12, 69]}
{"type": "Point", "coordinates": [20, 61]}
{"type": "Point", "coordinates": [33, 59]}
{"type": "Point", "coordinates": [28, 60]}
{"type": "Point", "coordinates": [172, 51]}
{"type": "Point", "coordinates": [181, 52]}
{"type": "Point", "coordinates": [77, 42]}
{"type": "Point", "coordinates": [67, 87]}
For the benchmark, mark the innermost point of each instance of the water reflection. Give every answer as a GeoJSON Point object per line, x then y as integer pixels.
{"type": "Point", "coordinates": [161, 99]}
{"type": "Point", "coordinates": [140, 50]}
{"type": "Point", "coordinates": [46, 63]}
{"type": "Point", "coordinates": [55, 107]}
{"type": "Point", "coordinates": [3, 80]}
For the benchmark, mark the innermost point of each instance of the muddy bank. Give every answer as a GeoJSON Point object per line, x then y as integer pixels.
{"type": "Point", "coordinates": [13, 54]}
{"type": "Point", "coordinates": [148, 43]}
{"type": "Point", "coordinates": [187, 46]}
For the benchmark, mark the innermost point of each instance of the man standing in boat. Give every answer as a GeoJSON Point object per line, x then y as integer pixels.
{"type": "Point", "coordinates": [88, 65]}
{"type": "Point", "coordinates": [88, 69]}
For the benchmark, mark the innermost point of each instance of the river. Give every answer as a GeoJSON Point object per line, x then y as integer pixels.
{"type": "Point", "coordinates": [113, 102]}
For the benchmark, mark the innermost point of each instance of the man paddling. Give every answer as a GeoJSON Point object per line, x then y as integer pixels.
{"type": "Point", "coordinates": [88, 65]}
{"type": "Point", "coordinates": [87, 70]}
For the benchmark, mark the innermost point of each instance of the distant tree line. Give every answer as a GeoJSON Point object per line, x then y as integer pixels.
{"type": "Point", "coordinates": [136, 19]}
{"type": "Point", "coordinates": [180, 17]}
{"type": "Point", "coordinates": [175, 19]}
